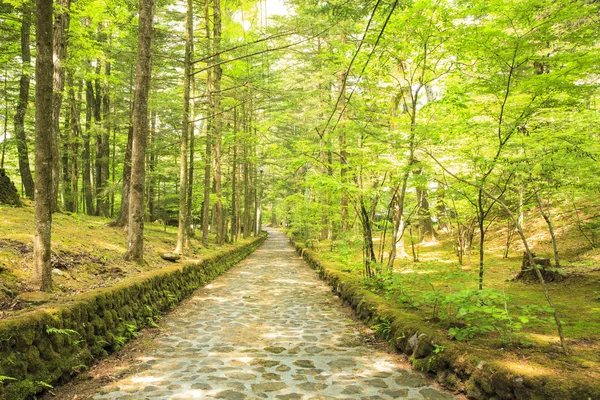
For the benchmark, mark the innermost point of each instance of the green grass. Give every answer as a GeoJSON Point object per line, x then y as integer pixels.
{"type": "Point", "coordinates": [536, 345]}
{"type": "Point", "coordinates": [92, 251]}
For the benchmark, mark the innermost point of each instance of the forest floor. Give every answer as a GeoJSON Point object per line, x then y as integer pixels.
{"type": "Point", "coordinates": [442, 292]}
{"type": "Point", "coordinates": [86, 254]}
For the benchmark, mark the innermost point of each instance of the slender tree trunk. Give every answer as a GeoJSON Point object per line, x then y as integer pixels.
{"type": "Point", "coordinates": [208, 156]}
{"type": "Point", "coordinates": [343, 163]}
{"type": "Point", "coordinates": [105, 147]}
{"type": "Point", "coordinates": [397, 248]}
{"type": "Point", "coordinates": [61, 26]}
{"type": "Point", "coordinates": [185, 126]}
{"type": "Point", "coordinates": [217, 121]}
{"type": "Point", "coordinates": [546, 216]}
{"type": "Point", "coordinates": [74, 144]}
{"type": "Point", "coordinates": [86, 155]}
{"type": "Point", "coordinates": [151, 166]}
{"type": "Point", "coordinates": [234, 182]}
{"type": "Point", "coordinates": [5, 118]}
{"type": "Point", "coordinates": [65, 194]}
{"type": "Point", "coordinates": [135, 250]}
{"type": "Point", "coordinates": [43, 146]}
{"type": "Point", "coordinates": [247, 219]}
{"type": "Point", "coordinates": [123, 218]}
{"type": "Point", "coordinates": [481, 224]}
{"type": "Point", "coordinates": [190, 187]}
{"type": "Point", "coordinates": [20, 136]}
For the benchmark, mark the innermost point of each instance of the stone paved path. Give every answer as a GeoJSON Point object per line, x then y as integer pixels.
{"type": "Point", "coordinates": [269, 328]}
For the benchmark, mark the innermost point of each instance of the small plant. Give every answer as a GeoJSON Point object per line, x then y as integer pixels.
{"type": "Point", "coordinates": [58, 331]}
{"type": "Point", "coordinates": [44, 385]}
{"type": "Point", "coordinates": [6, 378]}
{"type": "Point", "coordinates": [150, 321]}
{"type": "Point", "coordinates": [131, 330]}
{"type": "Point", "coordinates": [171, 299]}
{"type": "Point", "coordinates": [383, 327]}
{"type": "Point", "coordinates": [119, 341]}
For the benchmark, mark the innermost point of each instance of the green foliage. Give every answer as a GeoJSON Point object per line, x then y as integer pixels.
{"type": "Point", "coordinates": [382, 327]}
{"type": "Point", "coordinates": [58, 331]}
{"type": "Point", "coordinates": [6, 378]}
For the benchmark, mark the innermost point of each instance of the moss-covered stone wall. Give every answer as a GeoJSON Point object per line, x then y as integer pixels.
{"type": "Point", "coordinates": [478, 373]}
{"type": "Point", "coordinates": [48, 346]}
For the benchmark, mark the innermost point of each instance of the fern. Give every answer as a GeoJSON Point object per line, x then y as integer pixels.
{"type": "Point", "coordinates": [45, 385]}
{"type": "Point", "coordinates": [58, 331]}
{"type": "Point", "coordinates": [6, 378]}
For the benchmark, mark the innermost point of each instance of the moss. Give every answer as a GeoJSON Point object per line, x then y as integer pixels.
{"type": "Point", "coordinates": [101, 317]}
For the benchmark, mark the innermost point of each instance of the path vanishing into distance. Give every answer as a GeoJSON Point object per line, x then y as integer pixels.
{"type": "Point", "coordinates": [268, 328]}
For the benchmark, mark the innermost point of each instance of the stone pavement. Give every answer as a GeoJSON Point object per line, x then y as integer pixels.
{"type": "Point", "coordinates": [268, 328]}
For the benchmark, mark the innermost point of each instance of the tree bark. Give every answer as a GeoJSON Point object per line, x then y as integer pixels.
{"type": "Point", "coordinates": [185, 126]}
{"type": "Point", "coordinates": [190, 194]}
{"type": "Point", "coordinates": [74, 145]}
{"type": "Point", "coordinates": [151, 167]}
{"type": "Point", "coordinates": [343, 162]}
{"type": "Point", "coordinates": [546, 216]}
{"type": "Point", "coordinates": [207, 165]}
{"type": "Point", "coordinates": [135, 250]}
{"type": "Point", "coordinates": [217, 121]}
{"type": "Point", "coordinates": [61, 26]}
{"type": "Point", "coordinates": [123, 217]}
{"type": "Point", "coordinates": [234, 180]}
{"type": "Point", "coordinates": [105, 147]}
{"type": "Point", "coordinates": [86, 154]}
{"type": "Point", "coordinates": [5, 131]}
{"type": "Point", "coordinates": [43, 146]}
{"type": "Point", "coordinates": [21, 138]}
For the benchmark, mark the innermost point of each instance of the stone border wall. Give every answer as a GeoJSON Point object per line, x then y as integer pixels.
{"type": "Point", "coordinates": [50, 345]}
{"type": "Point", "coordinates": [481, 376]}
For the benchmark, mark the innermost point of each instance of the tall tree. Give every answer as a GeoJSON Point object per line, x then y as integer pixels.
{"type": "Point", "coordinates": [43, 145]}
{"type": "Point", "coordinates": [217, 121]}
{"type": "Point", "coordinates": [20, 136]}
{"type": "Point", "coordinates": [185, 127]}
{"type": "Point", "coordinates": [208, 155]}
{"type": "Point", "coordinates": [135, 251]}
{"type": "Point", "coordinates": [61, 26]}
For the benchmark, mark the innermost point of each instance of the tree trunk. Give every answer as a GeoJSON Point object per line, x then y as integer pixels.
{"type": "Point", "coordinates": [74, 144]}
{"type": "Point", "coordinates": [234, 182]}
{"type": "Point", "coordinates": [43, 146]}
{"type": "Point", "coordinates": [20, 136]}
{"type": "Point", "coordinates": [66, 197]}
{"type": "Point", "coordinates": [546, 216]}
{"type": "Point", "coordinates": [151, 167]}
{"type": "Point", "coordinates": [86, 154]}
{"type": "Point", "coordinates": [481, 224]}
{"type": "Point", "coordinates": [217, 121]}
{"type": "Point", "coordinates": [424, 214]}
{"type": "Point", "coordinates": [61, 26]}
{"type": "Point", "coordinates": [105, 147]}
{"type": "Point", "coordinates": [5, 118]}
{"type": "Point", "coordinates": [185, 126]}
{"type": "Point", "coordinates": [207, 165]}
{"type": "Point", "coordinates": [397, 248]}
{"type": "Point", "coordinates": [343, 164]}
{"type": "Point", "coordinates": [247, 191]}
{"type": "Point", "coordinates": [135, 250]}
{"type": "Point", "coordinates": [123, 218]}
{"type": "Point", "coordinates": [190, 194]}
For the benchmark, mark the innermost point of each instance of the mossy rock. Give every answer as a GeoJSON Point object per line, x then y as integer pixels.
{"type": "Point", "coordinates": [8, 191]}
